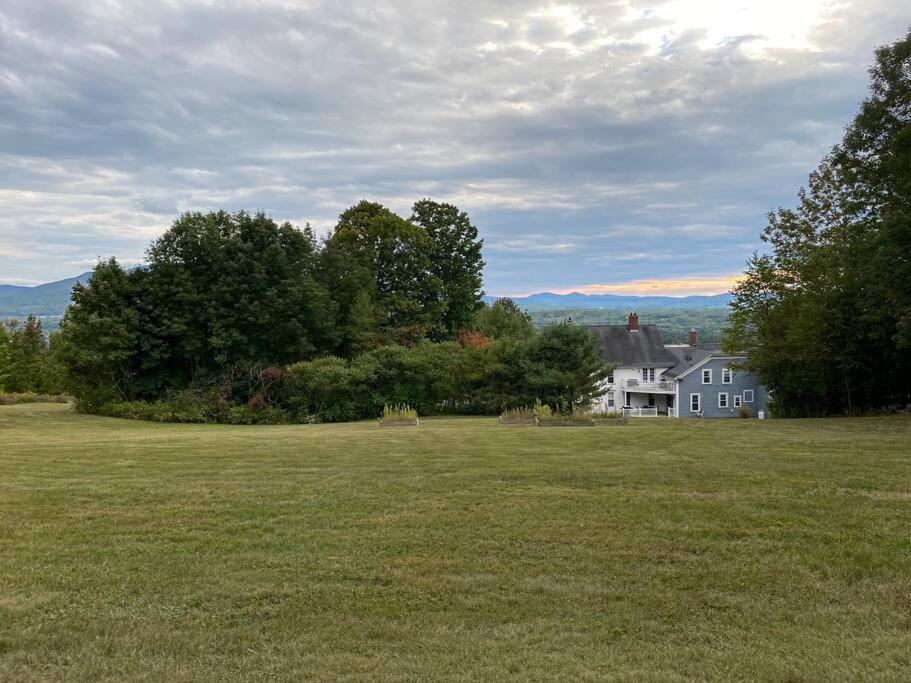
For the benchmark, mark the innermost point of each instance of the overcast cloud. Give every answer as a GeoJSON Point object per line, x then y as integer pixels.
{"type": "Point", "coordinates": [626, 144]}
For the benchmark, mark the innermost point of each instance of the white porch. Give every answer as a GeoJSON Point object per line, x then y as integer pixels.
{"type": "Point", "coordinates": [641, 402]}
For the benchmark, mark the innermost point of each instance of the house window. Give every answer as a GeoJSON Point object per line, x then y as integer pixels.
{"type": "Point", "coordinates": [723, 400]}
{"type": "Point", "coordinates": [727, 376]}
{"type": "Point", "coordinates": [610, 399]}
{"type": "Point", "coordinates": [651, 400]}
{"type": "Point", "coordinates": [695, 403]}
{"type": "Point", "coordinates": [706, 376]}
{"type": "Point", "coordinates": [747, 395]}
{"type": "Point", "coordinates": [737, 401]}
{"type": "Point", "coordinates": [610, 376]}
{"type": "Point", "coordinates": [648, 374]}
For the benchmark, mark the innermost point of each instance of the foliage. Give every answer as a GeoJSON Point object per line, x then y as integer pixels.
{"type": "Point", "coordinates": [826, 315]}
{"type": "Point", "coordinates": [26, 363]}
{"type": "Point", "coordinates": [744, 411]}
{"type": "Point", "coordinates": [521, 412]}
{"type": "Point", "coordinates": [235, 315]}
{"type": "Point", "coordinates": [5, 353]}
{"type": "Point", "coordinates": [398, 412]}
{"type": "Point", "coordinates": [542, 410]}
{"type": "Point", "coordinates": [473, 339]}
{"type": "Point", "coordinates": [564, 412]}
{"type": "Point", "coordinates": [219, 289]}
{"type": "Point", "coordinates": [503, 319]}
{"type": "Point", "coordinates": [455, 261]}
{"type": "Point", "coordinates": [374, 256]}
{"type": "Point", "coordinates": [182, 411]}
{"type": "Point", "coordinates": [565, 366]}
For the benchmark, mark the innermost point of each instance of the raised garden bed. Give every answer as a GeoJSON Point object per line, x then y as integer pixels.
{"type": "Point", "coordinates": [517, 420]}
{"type": "Point", "coordinates": [416, 422]}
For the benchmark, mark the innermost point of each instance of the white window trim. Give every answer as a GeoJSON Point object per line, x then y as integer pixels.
{"type": "Point", "coordinates": [699, 401]}
{"type": "Point", "coordinates": [725, 394]}
{"type": "Point", "coordinates": [611, 399]}
{"type": "Point", "coordinates": [707, 370]}
{"type": "Point", "coordinates": [752, 396]}
{"type": "Point", "coordinates": [738, 400]}
{"type": "Point", "coordinates": [648, 375]}
{"type": "Point", "coordinates": [730, 376]}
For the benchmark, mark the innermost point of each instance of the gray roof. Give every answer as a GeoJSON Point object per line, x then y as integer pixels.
{"type": "Point", "coordinates": [688, 356]}
{"type": "Point", "coordinates": [643, 348]}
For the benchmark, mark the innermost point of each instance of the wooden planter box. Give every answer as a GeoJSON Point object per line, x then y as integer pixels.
{"type": "Point", "coordinates": [611, 420]}
{"type": "Point", "coordinates": [566, 423]}
{"type": "Point", "coordinates": [517, 420]}
{"type": "Point", "coordinates": [400, 423]}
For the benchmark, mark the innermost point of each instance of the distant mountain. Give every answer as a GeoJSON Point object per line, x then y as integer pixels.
{"type": "Point", "coordinates": [546, 300]}
{"type": "Point", "coordinates": [45, 301]}
{"type": "Point", "coordinates": [49, 301]}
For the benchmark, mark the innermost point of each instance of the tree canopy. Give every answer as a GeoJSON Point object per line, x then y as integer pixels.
{"type": "Point", "coordinates": [235, 308]}
{"type": "Point", "coordinates": [825, 315]}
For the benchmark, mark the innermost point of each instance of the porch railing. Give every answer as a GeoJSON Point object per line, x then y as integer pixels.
{"type": "Point", "coordinates": [647, 411]}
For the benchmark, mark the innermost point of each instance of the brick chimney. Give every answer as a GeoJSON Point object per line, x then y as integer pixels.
{"type": "Point", "coordinates": [633, 322]}
{"type": "Point", "coordinates": [693, 336]}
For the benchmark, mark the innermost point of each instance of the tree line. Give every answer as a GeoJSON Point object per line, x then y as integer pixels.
{"type": "Point", "coordinates": [27, 363]}
{"type": "Point", "coordinates": [825, 314]}
{"type": "Point", "coordinates": [235, 317]}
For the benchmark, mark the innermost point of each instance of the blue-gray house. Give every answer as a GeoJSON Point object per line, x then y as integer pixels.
{"type": "Point", "coordinates": [708, 383]}
{"type": "Point", "coordinates": [652, 379]}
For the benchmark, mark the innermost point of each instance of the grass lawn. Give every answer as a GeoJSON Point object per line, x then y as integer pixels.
{"type": "Point", "coordinates": [662, 550]}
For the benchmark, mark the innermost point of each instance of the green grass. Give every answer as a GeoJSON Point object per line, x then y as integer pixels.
{"type": "Point", "coordinates": [460, 550]}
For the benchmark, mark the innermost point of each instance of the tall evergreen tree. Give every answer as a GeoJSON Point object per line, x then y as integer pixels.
{"type": "Point", "coordinates": [4, 357]}
{"type": "Point", "coordinates": [28, 357]}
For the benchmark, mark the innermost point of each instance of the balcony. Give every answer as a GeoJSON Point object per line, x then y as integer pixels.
{"type": "Point", "coordinates": [660, 387]}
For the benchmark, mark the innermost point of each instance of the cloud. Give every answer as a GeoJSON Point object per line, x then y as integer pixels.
{"type": "Point", "coordinates": [590, 141]}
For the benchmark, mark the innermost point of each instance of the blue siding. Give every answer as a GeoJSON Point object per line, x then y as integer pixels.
{"type": "Point", "coordinates": [742, 381]}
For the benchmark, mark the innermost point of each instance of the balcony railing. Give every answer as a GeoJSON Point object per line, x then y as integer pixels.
{"type": "Point", "coordinates": [661, 386]}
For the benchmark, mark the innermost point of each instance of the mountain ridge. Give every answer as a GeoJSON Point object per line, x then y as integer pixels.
{"type": "Point", "coordinates": [50, 299]}
{"type": "Point", "coordinates": [47, 299]}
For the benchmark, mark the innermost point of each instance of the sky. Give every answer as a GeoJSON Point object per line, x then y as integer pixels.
{"type": "Point", "coordinates": [599, 146]}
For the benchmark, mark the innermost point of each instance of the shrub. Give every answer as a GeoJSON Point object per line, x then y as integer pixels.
{"type": "Point", "coordinates": [744, 411]}
{"type": "Point", "coordinates": [329, 389]}
{"type": "Point", "coordinates": [399, 412]}
{"type": "Point", "coordinates": [256, 402]}
{"type": "Point", "coordinates": [174, 411]}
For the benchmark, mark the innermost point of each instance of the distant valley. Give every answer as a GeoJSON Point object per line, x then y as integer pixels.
{"type": "Point", "coordinates": [548, 300]}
